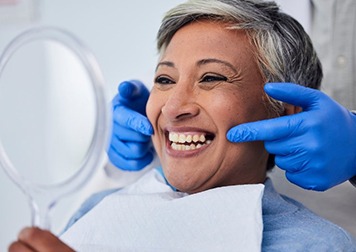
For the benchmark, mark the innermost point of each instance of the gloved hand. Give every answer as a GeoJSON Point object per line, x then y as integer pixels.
{"type": "Point", "coordinates": [130, 147]}
{"type": "Point", "coordinates": [316, 147]}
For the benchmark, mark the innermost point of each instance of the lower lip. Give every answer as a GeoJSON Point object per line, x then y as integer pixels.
{"type": "Point", "coordinates": [187, 153]}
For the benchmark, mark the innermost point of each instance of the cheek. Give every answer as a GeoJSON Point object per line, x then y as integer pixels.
{"type": "Point", "coordinates": [226, 115]}
{"type": "Point", "coordinates": [247, 106]}
{"type": "Point", "coordinates": [153, 108]}
{"type": "Point", "coordinates": [232, 108]}
{"type": "Point", "coordinates": [153, 111]}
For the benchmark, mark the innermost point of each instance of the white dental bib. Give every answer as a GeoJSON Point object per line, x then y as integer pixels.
{"type": "Point", "coordinates": [149, 216]}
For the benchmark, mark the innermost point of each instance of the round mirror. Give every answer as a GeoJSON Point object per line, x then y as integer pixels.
{"type": "Point", "coordinates": [54, 116]}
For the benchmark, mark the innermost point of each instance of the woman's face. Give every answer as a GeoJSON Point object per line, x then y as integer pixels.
{"type": "Point", "coordinates": [206, 82]}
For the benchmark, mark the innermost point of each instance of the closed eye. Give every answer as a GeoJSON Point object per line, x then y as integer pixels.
{"type": "Point", "coordinates": [213, 78]}
{"type": "Point", "coordinates": [163, 80]}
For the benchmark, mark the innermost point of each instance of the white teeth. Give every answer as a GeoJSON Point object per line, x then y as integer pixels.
{"type": "Point", "coordinates": [195, 138]}
{"type": "Point", "coordinates": [181, 138]}
{"type": "Point", "coordinates": [183, 142]}
{"type": "Point", "coordinates": [173, 137]}
{"type": "Point", "coordinates": [189, 139]}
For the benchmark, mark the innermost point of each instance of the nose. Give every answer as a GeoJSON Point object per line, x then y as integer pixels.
{"type": "Point", "coordinates": [181, 103]}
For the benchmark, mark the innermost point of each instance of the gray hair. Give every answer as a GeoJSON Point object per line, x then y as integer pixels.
{"type": "Point", "coordinates": [284, 51]}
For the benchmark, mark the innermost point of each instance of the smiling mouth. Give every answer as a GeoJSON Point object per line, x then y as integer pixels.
{"type": "Point", "coordinates": [180, 141]}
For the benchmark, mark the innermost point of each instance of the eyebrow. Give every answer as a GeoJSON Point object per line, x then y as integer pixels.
{"type": "Point", "coordinates": [165, 63]}
{"type": "Point", "coordinates": [199, 63]}
{"type": "Point", "coordinates": [213, 60]}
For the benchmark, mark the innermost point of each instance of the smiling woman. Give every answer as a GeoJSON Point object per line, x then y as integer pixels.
{"type": "Point", "coordinates": [215, 57]}
{"type": "Point", "coordinates": [202, 93]}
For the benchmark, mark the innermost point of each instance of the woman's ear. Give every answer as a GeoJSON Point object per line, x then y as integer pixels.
{"type": "Point", "coordinates": [291, 109]}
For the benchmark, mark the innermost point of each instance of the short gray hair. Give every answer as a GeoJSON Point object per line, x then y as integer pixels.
{"type": "Point", "coordinates": [284, 51]}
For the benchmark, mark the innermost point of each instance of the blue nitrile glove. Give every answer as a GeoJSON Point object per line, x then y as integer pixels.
{"type": "Point", "coordinates": [130, 147]}
{"type": "Point", "coordinates": [316, 147]}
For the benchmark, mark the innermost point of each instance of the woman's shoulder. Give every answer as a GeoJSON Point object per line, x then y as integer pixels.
{"type": "Point", "coordinates": [289, 226]}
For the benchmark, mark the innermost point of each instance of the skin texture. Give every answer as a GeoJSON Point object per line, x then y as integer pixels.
{"type": "Point", "coordinates": [207, 80]}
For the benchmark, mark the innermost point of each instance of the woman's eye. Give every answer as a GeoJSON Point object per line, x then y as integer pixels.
{"type": "Point", "coordinates": [163, 80]}
{"type": "Point", "coordinates": [213, 78]}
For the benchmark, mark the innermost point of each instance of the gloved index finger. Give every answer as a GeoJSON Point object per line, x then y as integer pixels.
{"type": "Point", "coordinates": [132, 120]}
{"type": "Point", "coordinates": [281, 127]}
{"type": "Point", "coordinates": [265, 130]}
{"type": "Point", "coordinates": [307, 98]}
{"type": "Point", "coordinates": [132, 89]}
{"type": "Point", "coordinates": [132, 94]}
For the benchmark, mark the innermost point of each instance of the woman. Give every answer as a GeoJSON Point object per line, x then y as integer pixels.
{"type": "Point", "coordinates": [215, 57]}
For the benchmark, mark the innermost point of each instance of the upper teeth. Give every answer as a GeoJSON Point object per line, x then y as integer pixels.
{"type": "Point", "coordinates": [186, 138]}
{"type": "Point", "coordinates": [186, 142]}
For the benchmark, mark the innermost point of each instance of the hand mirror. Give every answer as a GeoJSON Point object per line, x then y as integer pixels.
{"type": "Point", "coordinates": [54, 116]}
